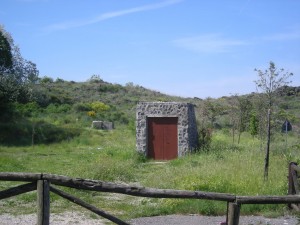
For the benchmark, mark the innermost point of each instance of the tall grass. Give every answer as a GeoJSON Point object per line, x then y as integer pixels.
{"type": "Point", "coordinates": [111, 156]}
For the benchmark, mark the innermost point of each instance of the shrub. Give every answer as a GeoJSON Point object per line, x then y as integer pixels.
{"type": "Point", "coordinates": [41, 132]}
{"type": "Point", "coordinates": [204, 139]}
{"type": "Point", "coordinates": [59, 80]}
{"type": "Point", "coordinates": [28, 109]}
{"type": "Point", "coordinates": [95, 79]}
{"type": "Point", "coordinates": [99, 106]}
{"type": "Point", "coordinates": [91, 113]}
{"type": "Point", "coordinates": [47, 133]}
{"type": "Point", "coordinates": [46, 79]}
{"type": "Point", "coordinates": [82, 107]}
{"type": "Point", "coordinates": [109, 88]}
{"type": "Point", "coordinates": [55, 108]}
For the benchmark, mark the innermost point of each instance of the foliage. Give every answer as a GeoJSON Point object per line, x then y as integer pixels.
{"type": "Point", "coordinates": [269, 81]}
{"type": "Point", "coordinates": [61, 103]}
{"type": "Point", "coordinates": [81, 107]}
{"type": "Point", "coordinates": [95, 79]}
{"type": "Point", "coordinates": [91, 113]}
{"type": "Point", "coordinates": [28, 109]}
{"type": "Point", "coordinates": [288, 91]}
{"type": "Point", "coordinates": [59, 80]}
{"type": "Point", "coordinates": [16, 74]}
{"type": "Point", "coordinates": [46, 79]}
{"type": "Point", "coordinates": [21, 133]}
{"type": "Point", "coordinates": [253, 126]}
{"type": "Point", "coordinates": [99, 107]}
{"type": "Point", "coordinates": [113, 88]}
{"type": "Point", "coordinates": [58, 108]}
{"type": "Point", "coordinates": [5, 51]}
{"type": "Point", "coordinates": [204, 139]}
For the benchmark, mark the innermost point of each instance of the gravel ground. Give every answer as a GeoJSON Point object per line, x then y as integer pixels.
{"type": "Point", "coordinates": [68, 218]}
{"type": "Point", "coordinates": [209, 220]}
{"type": "Point", "coordinates": [71, 218]}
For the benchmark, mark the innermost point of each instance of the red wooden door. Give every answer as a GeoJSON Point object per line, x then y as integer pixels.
{"type": "Point", "coordinates": [162, 138]}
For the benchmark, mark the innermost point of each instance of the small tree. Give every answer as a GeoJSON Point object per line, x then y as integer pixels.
{"type": "Point", "coordinates": [269, 81]}
{"type": "Point", "coordinates": [253, 124]}
{"type": "Point", "coordinates": [244, 111]}
{"type": "Point", "coordinates": [233, 111]}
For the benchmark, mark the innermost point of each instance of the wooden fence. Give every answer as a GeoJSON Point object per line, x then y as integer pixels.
{"type": "Point", "coordinates": [43, 183]}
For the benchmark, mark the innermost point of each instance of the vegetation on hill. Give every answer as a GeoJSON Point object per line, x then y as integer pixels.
{"type": "Point", "coordinates": [67, 106]}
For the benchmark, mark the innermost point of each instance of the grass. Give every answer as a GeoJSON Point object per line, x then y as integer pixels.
{"type": "Point", "coordinates": [111, 156]}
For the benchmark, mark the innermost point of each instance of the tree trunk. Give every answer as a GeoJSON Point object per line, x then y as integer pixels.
{"type": "Point", "coordinates": [233, 133]}
{"type": "Point", "coordinates": [32, 135]}
{"type": "Point", "coordinates": [268, 146]}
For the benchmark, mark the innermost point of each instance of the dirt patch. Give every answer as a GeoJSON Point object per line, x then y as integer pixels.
{"type": "Point", "coordinates": [211, 220]}
{"type": "Point", "coordinates": [68, 218]}
{"type": "Point", "coordinates": [77, 218]}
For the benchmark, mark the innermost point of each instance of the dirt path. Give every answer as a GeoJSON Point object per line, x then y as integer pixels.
{"type": "Point", "coordinates": [71, 218]}
{"type": "Point", "coordinates": [68, 218]}
{"type": "Point", "coordinates": [211, 220]}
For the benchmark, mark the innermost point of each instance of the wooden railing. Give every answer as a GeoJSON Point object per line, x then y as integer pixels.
{"type": "Point", "coordinates": [43, 183]}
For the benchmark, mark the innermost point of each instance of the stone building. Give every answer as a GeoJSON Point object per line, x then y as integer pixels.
{"type": "Point", "coordinates": [165, 130]}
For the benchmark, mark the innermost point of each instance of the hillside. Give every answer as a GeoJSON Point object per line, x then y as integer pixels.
{"type": "Point", "coordinates": [121, 98]}
{"type": "Point", "coordinates": [62, 108]}
{"type": "Point", "coordinates": [125, 98]}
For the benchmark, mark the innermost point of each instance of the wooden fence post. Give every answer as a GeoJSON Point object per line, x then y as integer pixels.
{"type": "Point", "coordinates": [43, 202]}
{"type": "Point", "coordinates": [233, 213]}
{"type": "Point", "coordinates": [293, 184]}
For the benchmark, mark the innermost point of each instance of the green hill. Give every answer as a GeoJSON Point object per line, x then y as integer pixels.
{"type": "Point", "coordinates": [61, 109]}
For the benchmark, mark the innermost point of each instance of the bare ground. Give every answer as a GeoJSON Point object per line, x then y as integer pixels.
{"type": "Point", "coordinates": [77, 218]}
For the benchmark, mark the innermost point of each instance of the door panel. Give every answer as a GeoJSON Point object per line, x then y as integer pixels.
{"type": "Point", "coordinates": [162, 138]}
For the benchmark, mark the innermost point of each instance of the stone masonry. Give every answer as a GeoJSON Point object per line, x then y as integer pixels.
{"type": "Point", "coordinates": [187, 128]}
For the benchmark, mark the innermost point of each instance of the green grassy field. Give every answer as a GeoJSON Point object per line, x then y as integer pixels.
{"type": "Point", "coordinates": [111, 156]}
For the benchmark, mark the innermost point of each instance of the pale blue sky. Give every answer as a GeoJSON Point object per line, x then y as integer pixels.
{"type": "Point", "coordinates": [189, 48]}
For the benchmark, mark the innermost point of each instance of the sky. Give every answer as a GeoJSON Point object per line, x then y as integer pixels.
{"type": "Point", "coordinates": [187, 48]}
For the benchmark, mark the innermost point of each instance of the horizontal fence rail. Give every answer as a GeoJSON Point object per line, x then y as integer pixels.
{"type": "Point", "coordinates": [101, 186]}
{"type": "Point", "coordinates": [43, 184]}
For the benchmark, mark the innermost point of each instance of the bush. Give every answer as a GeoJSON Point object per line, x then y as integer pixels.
{"type": "Point", "coordinates": [28, 109]}
{"type": "Point", "coordinates": [41, 132]}
{"type": "Point", "coordinates": [47, 133]}
{"type": "Point", "coordinates": [109, 88]}
{"type": "Point", "coordinates": [204, 139]}
{"type": "Point", "coordinates": [55, 108]}
{"type": "Point", "coordinates": [46, 80]}
{"type": "Point", "coordinates": [82, 107]}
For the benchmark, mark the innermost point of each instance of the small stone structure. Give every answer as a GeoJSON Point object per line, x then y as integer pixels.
{"type": "Point", "coordinates": [102, 125]}
{"type": "Point", "coordinates": [187, 128]}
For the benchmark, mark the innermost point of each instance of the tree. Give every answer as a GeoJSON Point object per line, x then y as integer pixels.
{"type": "Point", "coordinates": [240, 107]}
{"type": "Point", "coordinates": [16, 74]}
{"type": "Point", "coordinates": [233, 110]}
{"type": "Point", "coordinates": [245, 107]}
{"type": "Point", "coordinates": [268, 82]}
{"type": "Point", "coordinates": [5, 53]}
{"type": "Point", "coordinates": [253, 125]}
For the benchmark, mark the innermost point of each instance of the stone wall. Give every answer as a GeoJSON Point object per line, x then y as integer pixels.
{"type": "Point", "coordinates": [187, 128]}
